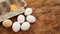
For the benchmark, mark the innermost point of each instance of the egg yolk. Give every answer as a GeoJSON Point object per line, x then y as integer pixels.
{"type": "Point", "coordinates": [13, 6]}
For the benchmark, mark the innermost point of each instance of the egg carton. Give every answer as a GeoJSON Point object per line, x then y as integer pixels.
{"type": "Point", "coordinates": [5, 10]}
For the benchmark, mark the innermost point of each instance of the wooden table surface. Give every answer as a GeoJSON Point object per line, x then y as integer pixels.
{"type": "Point", "coordinates": [47, 13]}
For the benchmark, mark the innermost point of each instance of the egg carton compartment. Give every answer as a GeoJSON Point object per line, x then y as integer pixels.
{"type": "Point", "coordinates": [5, 8]}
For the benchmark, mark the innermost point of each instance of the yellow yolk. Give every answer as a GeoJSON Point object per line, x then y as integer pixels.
{"type": "Point", "coordinates": [13, 6]}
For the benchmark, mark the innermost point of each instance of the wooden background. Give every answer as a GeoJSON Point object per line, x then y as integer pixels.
{"type": "Point", "coordinates": [47, 13]}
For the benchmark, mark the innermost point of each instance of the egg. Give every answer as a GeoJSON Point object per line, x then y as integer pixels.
{"type": "Point", "coordinates": [21, 18]}
{"type": "Point", "coordinates": [13, 6]}
{"type": "Point", "coordinates": [7, 23]}
{"type": "Point", "coordinates": [25, 26]}
{"type": "Point", "coordinates": [28, 11]}
{"type": "Point", "coordinates": [16, 26]}
{"type": "Point", "coordinates": [31, 18]}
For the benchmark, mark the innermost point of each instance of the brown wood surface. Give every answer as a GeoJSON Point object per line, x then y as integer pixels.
{"type": "Point", "coordinates": [47, 13]}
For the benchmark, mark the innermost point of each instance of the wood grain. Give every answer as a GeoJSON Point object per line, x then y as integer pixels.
{"type": "Point", "coordinates": [47, 13]}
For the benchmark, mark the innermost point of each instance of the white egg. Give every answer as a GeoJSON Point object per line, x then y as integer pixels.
{"type": "Point", "coordinates": [25, 26]}
{"type": "Point", "coordinates": [21, 18]}
{"type": "Point", "coordinates": [31, 18]}
{"type": "Point", "coordinates": [28, 11]}
{"type": "Point", "coordinates": [16, 26]}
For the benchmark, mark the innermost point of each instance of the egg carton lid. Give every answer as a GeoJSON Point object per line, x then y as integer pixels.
{"type": "Point", "coordinates": [12, 13]}
{"type": "Point", "coordinates": [2, 0]}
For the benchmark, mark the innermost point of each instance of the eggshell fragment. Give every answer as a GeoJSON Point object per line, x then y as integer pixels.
{"type": "Point", "coordinates": [28, 11]}
{"type": "Point", "coordinates": [31, 18]}
{"type": "Point", "coordinates": [25, 26]}
{"type": "Point", "coordinates": [7, 23]}
{"type": "Point", "coordinates": [21, 18]}
{"type": "Point", "coordinates": [16, 26]}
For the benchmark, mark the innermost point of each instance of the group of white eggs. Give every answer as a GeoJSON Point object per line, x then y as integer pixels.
{"type": "Point", "coordinates": [22, 22]}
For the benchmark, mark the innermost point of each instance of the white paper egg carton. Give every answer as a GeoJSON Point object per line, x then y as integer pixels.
{"type": "Point", "coordinates": [6, 12]}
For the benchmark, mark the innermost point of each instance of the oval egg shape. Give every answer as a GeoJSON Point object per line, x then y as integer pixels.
{"type": "Point", "coordinates": [31, 18]}
{"type": "Point", "coordinates": [21, 18]}
{"type": "Point", "coordinates": [16, 26]}
{"type": "Point", "coordinates": [28, 11]}
{"type": "Point", "coordinates": [7, 23]}
{"type": "Point", "coordinates": [25, 26]}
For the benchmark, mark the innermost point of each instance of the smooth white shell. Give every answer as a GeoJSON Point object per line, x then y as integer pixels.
{"type": "Point", "coordinates": [16, 26]}
{"type": "Point", "coordinates": [31, 18]}
{"type": "Point", "coordinates": [25, 26]}
{"type": "Point", "coordinates": [21, 18]}
{"type": "Point", "coordinates": [28, 11]}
